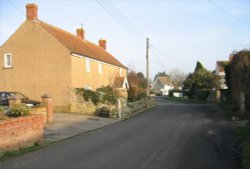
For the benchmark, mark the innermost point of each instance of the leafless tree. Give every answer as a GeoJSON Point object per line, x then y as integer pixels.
{"type": "Point", "coordinates": [177, 77]}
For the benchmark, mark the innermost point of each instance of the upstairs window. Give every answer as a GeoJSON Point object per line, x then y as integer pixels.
{"type": "Point", "coordinates": [88, 65]}
{"type": "Point", "coordinates": [100, 68]}
{"type": "Point", "coordinates": [7, 60]}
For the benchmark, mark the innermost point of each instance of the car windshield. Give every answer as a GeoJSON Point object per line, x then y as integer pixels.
{"type": "Point", "coordinates": [3, 96]}
{"type": "Point", "coordinates": [18, 95]}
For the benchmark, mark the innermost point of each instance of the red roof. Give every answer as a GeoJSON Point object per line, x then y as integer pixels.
{"type": "Point", "coordinates": [78, 46]}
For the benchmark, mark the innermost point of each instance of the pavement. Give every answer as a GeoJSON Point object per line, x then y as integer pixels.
{"type": "Point", "coordinates": [66, 125]}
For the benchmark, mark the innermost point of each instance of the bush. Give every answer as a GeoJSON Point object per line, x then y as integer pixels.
{"type": "Point", "coordinates": [102, 94]}
{"type": "Point", "coordinates": [19, 110]}
{"type": "Point", "coordinates": [202, 94]}
{"type": "Point", "coordinates": [106, 95]}
{"type": "Point", "coordinates": [136, 93]}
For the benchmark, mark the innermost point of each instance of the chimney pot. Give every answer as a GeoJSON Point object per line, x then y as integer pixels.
{"type": "Point", "coordinates": [80, 33]}
{"type": "Point", "coordinates": [102, 43]}
{"type": "Point", "coordinates": [31, 11]}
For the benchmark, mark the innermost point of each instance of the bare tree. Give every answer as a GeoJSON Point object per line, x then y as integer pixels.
{"type": "Point", "coordinates": [177, 77]}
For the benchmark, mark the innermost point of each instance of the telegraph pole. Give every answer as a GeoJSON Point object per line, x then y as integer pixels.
{"type": "Point", "coordinates": [147, 65]}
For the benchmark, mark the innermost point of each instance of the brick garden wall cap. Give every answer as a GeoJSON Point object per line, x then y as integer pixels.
{"type": "Point", "coordinates": [45, 96]}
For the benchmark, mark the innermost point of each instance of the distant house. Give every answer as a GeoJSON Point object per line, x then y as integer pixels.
{"type": "Point", "coordinates": [162, 86]}
{"type": "Point", "coordinates": [40, 58]}
{"type": "Point", "coordinates": [220, 71]}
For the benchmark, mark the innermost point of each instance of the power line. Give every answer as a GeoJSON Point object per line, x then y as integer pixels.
{"type": "Point", "coordinates": [230, 14]}
{"type": "Point", "coordinates": [18, 10]}
{"type": "Point", "coordinates": [117, 15]}
{"type": "Point", "coordinates": [157, 51]}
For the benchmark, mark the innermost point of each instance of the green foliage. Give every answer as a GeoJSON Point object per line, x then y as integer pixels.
{"type": "Point", "coordinates": [106, 95]}
{"type": "Point", "coordinates": [11, 154]}
{"type": "Point", "coordinates": [19, 110]}
{"type": "Point", "coordinates": [238, 78]}
{"type": "Point", "coordinates": [101, 95]}
{"type": "Point", "coordinates": [199, 67]}
{"type": "Point", "coordinates": [202, 94]}
{"type": "Point", "coordinates": [200, 79]}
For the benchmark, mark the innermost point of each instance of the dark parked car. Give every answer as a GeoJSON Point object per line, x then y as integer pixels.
{"type": "Point", "coordinates": [4, 99]}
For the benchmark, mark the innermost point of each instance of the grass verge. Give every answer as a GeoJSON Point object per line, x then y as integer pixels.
{"type": "Point", "coordinates": [10, 154]}
{"type": "Point", "coordinates": [185, 100]}
{"type": "Point", "coordinates": [244, 138]}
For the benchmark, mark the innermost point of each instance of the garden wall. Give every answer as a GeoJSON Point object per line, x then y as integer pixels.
{"type": "Point", "coordinates": [132, 108]}
{"type": "Point", "coordinates": [21, 132]}
{"type": "Point", "coordinates": [79, 105]}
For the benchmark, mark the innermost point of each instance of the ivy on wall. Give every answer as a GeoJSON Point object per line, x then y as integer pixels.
{"type": "Point", "coordinates": [103, 94]}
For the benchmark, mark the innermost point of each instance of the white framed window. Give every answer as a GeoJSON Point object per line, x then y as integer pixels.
{"type": "Point", "coordinates": [100, 68]}
{"type": "Point", "coordinates": [120, 72]}
{"type": "Point", "coordinates": [88, 68]}
{"type": "Point", "coordinates": [7, 60]}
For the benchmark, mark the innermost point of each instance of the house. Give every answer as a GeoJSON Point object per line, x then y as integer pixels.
{"type": "Point", "coordinates": [40, 58]}
{"type": "Point", "coordinates": [162, 86]}
{"type": "Point", "coordinates": [220, 71]}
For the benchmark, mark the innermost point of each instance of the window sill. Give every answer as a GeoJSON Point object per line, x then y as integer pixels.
{"type": "Point", "coordinates": [7, 67]}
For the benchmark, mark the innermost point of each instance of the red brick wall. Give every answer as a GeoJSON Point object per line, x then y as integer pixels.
{"type": "Point", "coordinates": [21, 132]}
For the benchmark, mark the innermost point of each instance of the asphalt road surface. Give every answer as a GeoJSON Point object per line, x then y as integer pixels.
{"type": "Point", "coordinates": [168, 136]}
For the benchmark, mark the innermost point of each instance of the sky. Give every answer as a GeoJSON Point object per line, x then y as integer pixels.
{"type": "Point", "coordinates": [180, 32]}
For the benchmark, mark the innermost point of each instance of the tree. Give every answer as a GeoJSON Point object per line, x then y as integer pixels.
{"type": "Point", "coordinates": [161, 74]}
{"type": "Point", "coordinates": [177, 77]}
{"type": "Point", "coordinates": [138, 85]}
{"type": "Point", "coordinates": [201, 78]}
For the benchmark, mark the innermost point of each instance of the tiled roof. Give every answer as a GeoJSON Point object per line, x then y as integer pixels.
{"type": "Point", "coordinates": [78, 46]}
{"type": "Point", "coordinates": [164, 80]}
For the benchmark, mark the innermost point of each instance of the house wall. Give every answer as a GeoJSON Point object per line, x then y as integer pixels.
{"type": "Point", "coordinates": [40, 65]}
{"type": "Point", "coordinates": [93, 79]}
{"type": "Point", "coordinates": [157, 87]}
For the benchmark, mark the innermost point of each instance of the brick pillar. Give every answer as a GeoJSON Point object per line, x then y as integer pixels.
{"type": "Point", "coordinates": [14, 100]}
{"type": "Point", "coordinates": [47, 101]}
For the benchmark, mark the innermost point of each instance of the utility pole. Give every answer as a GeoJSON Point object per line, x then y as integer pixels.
{"type": "Point", "coordinates": [147, 65]}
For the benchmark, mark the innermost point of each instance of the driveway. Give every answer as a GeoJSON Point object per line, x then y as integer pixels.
{"type": "Point", "coordinates": [169, 136]}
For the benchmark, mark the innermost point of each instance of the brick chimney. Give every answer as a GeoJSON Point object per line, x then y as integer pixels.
{"type": "Point", "coordinates": [31, 11]}
{"type": "Point", "coordinates": [80, 33]}
{"type": "Point", "coordinates": [102, 43]}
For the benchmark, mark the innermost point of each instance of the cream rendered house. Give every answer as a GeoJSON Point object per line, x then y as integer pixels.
{"type": "Point", "coordinates": [40, 58]}
{"type": "Point", "coordinates": [162, 86]}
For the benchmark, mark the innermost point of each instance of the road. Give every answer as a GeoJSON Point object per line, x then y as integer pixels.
{"type": "Point", "coordinates": [168, 136]}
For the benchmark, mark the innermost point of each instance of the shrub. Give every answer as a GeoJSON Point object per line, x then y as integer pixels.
{"type": "Point", "coordinates": [106, 95]}
{"type": "Point", "coordinates": [202, 94]}
{"type": "Point", "coordinates": [102, 94]}
{"type": "Point", "coordinates": [19, 110]}
{"type": "Point", "coordinates": [136, 93]}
